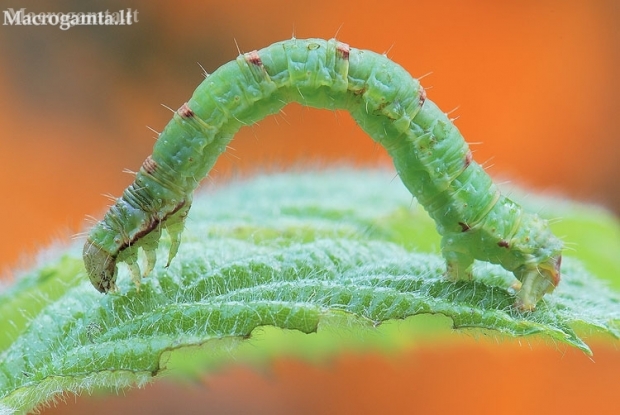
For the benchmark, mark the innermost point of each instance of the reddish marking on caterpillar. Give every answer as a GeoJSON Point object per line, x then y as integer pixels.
{"type": "Point", "coordinates": [185, 111]}
{"type": "Point", "coordinates": [149, 165]}
{"type": "Point", "coordinates": [253, 58]}
{"type": "Point", "coordinates": [464, 226]}
{"type": "Point", "coordinates": [556, 273]}
{"type": "Point", "coordinates": [343, 50]}
{"type": "Point", "coordinates": [503, 244]}
{"type": "Point", "coordinates": [422, 96]}
{"type": "Point", "coordinates": [468, 159]}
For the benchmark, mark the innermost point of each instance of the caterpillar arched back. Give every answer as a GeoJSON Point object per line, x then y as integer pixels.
{"type": "Point", "coordinates": [430, 155]}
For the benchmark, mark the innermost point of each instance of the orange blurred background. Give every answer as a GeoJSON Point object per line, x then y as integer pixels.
{"type": "Point", "coordinates": [533, 81]}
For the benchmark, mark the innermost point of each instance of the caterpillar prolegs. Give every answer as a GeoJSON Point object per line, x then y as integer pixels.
{"type": "Point", "coordinates": [430, 155]}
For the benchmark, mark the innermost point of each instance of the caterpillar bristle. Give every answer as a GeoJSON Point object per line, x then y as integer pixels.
{"type": "Point", "coordinates": [205, 74]}
{"type": "Point", "coordinates": [168, 108]}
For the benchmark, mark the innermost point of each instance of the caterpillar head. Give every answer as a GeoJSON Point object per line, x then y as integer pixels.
{"type": "Point", "coordinates": [537, 280]}
{"type": "Point", "coordinates": [100, 266]}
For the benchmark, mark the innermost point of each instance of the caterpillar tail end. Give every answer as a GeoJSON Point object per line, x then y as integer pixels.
{"type": "Point", "coordinates": [100, 267]}
{"type": "Point", "coordinates": [536, 282]}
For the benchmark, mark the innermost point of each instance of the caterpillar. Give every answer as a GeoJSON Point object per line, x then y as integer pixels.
{"type": "Point", "coordinates": [431, 157]}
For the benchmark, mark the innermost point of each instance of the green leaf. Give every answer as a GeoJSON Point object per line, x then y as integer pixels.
{"type": "Point", "coordinates": [335, 250]}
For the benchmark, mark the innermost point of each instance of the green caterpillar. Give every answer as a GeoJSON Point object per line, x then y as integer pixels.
{"type": "Point", "coordinates": [430, 155]}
